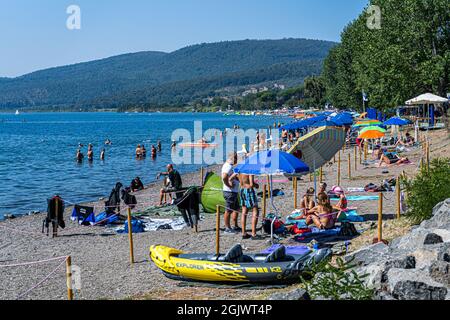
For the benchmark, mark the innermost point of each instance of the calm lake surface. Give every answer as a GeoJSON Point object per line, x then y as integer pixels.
{"type": "Point", "coordinates": [37, 152]}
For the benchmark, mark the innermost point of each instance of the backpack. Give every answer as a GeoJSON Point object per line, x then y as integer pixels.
{"type": "Point", "coordinates": [278, 226]}
{"type": "Point", "coordinates": [348, 230]}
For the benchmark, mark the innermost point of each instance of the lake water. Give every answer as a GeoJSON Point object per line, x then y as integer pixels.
{"type": "Point", "coordinates": [37, 152]}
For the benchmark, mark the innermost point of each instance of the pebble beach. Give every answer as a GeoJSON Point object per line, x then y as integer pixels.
{"type": "Point", "coordinates": [102, 255]}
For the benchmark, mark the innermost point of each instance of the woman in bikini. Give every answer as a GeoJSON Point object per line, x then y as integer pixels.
{"type": "Point", "coordinates": [322, 215]}
{"type": "Point", "coordinates": [307, 203]}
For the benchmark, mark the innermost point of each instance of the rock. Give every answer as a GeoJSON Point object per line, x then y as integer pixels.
{"type": "Point", "coordinates": [443, 233]}
{"type": "Point", "coordinates": [440, 272]}
{"type": "Point", "coordinates": [414, 284]}
{"type": "Point", "coordinates": [383, 295]}
{"type": "Point", "coordinates": [444, 253]}
{"type": "Point", "coordinates": [432, 238]}
{"type": "Point", "coordinates": [297, 294]}
{"type": "Point", "coordinates": [368, 255]}
{"type": "Point", "coordinates": [441, 217]}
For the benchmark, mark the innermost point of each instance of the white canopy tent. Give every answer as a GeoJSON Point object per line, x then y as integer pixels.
{"type": "Point", "coordinates": [426, 98]}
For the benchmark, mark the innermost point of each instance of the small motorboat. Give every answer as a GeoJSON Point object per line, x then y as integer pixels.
{"type": "Point", "coordinates": [235, 267]}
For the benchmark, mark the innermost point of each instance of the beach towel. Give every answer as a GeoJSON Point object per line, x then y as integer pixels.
{"type": "Point", "coordinates": [300, 250]}
{"type": "Point", "coordinates": [350, 190]}
{"type": "Point", "coordinates": [359, 198]}
{"type": "Point", "coordinates": [350, 216]}
{"type": "Point", "coordinates": [137, 226]}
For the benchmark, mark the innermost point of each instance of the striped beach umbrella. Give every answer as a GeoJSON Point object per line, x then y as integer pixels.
{"type": "Point", "coordinates": [372, 128]}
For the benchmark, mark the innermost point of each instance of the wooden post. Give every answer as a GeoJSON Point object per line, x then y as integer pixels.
{"type": "Point", "coordinates": [366, 150]}
{"type": "Point", "coordinates": [130, 236]}
{"type": "Point", "coordinates": [295, 192]}
{"type": "Point", "coordinates": [380, 218]}
{"type": "Point", "coordinates": [428, 156]}
{"type": "Point", "coordinates": [55, 225]}
{"type": "Point", "coordinates": [69, 278]}
{"type": "Point", "coordinates": [201, 176]}
{"type": "Point", "coordinates": [339, 170]}
{"type": "Point", "coordinates": [397, 191]}
{"type": "Point", "coordinates": [356, 158]}
{"type": "Point", "coordinates": [321, 175]}
{"type": "Point", "coordinates": [218, 230]}
{"type": "Point", "coordinates": [360, 154]}
{"type": "Point", "coordinates": [349, 167]}
{"type": "Point", "coordinates": [311, 177]}
{"type": "Point", "coordinates": [269, 189]}
{"type": "Point", "coordinates": [264, 201]}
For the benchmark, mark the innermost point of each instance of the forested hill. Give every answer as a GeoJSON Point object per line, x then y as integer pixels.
{"type": "Point", "coordinates": [160, 78]}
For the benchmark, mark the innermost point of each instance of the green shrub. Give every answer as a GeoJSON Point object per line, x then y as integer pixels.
{"type": "Point", "coordinates": [427, 189]}
{"type": "Point", "coordinates": [337, 282]}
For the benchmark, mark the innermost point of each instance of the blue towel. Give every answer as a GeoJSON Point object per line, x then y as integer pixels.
{"type": "Point", "coordinates": [358, 198]}
{"type": "Point", "coordinates": [352, 216]}
{"type": "Point", "coordinates": [300, 250]}
{"type": "Point", "coordinates": [318, 235]}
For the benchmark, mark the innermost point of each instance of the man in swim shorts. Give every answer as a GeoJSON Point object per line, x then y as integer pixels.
{"type": "Point", "coordinates": [249, 201]}
{"type": "Point", "coordinates": [230, 193]}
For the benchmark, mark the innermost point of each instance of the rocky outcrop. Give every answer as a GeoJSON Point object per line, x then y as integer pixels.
{"type": "Point", "coordinates": [297, 294]}
{"type": "Point", "coordinates": [413, 267]}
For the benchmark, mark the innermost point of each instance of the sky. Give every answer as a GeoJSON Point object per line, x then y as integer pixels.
{"type": "Point", "coordinates": [34, 34]}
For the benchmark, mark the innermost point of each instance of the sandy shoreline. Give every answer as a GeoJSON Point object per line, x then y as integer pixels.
{"type": "Point", "coordinates": [103, 256]}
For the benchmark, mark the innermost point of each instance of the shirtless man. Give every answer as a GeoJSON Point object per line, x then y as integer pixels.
{"type": "Point", "coordinates": [79, 156]}
{"type": "Point", "coordinates": [90, 153]}
{"type": "Point", "coordinates": [138, 152]}
{"type": "Point", "coordinates": [159, 146]}
{"type": "Point", "coordinates": [249, 201]}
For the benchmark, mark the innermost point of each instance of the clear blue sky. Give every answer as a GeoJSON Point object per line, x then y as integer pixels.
{"type": "Point", "coordinates": [33, 33]}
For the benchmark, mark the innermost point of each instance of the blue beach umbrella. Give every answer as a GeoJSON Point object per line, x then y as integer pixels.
{"type": "Point", "coordinates": [272, 162]}
{"type": "Point", "coordinates": [325, 123]}
{"type": "Point", "coordinates": [396, 121]}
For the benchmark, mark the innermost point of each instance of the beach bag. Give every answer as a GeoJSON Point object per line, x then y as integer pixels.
{"type": "Point", "coordinates": [348, 230]}
{"type": "Point", "coordinates": [137, 226]}
{"type": "Point", "coordinates": [278, 226]}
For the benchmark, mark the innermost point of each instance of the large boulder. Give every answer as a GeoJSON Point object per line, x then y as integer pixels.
{"type": "Point", "coordinates": [441, 217]}
{"type": "Point", "coordinates": [440, 272]}
{"type": "Point", "coordinates": [372, 254]}
{"type": "Point", "coordinates": [414, 284]}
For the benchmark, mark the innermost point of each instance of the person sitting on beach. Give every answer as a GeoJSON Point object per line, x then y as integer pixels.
{"type": "Point", "coordinates": [136, 185]}
{"type": "Point", "coordinates": [308, 200]}
{"type": "Point", "coordinates": [79, 156]}
{"type": "Point", "coordinates": [249, 201]}
{"type": "Point", "coordinates": [392, 158]}
{"type": "Point", "coordinates": [176, 183]}
{"type": "Point", "coordinates": [322, 215]}
{"type": "Point", "coordinates": [102, 154]}
{"type": "Point", "coordinates": [138, 152]}
{"type": "Point", "coordinates": [342, 205]}
{"type": "Point", "coordinates": [323, 189]}
{"type": "Point", "coordinates": [90, 153]}
{"type": "Point", "coordinates": [408, 141]}
{"type": "Point", "coordinates": [377, 153]}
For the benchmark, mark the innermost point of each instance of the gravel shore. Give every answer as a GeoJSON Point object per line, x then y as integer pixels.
{"type": "Point", "coordinates": [103, 255]}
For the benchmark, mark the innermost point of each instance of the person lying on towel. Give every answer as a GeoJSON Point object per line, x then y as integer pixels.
{"type": "Point", "coordinates": [392, 158]}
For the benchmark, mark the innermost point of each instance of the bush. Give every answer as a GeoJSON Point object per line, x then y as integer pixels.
{"type": "Point", "coordinates": [428, 189]}
{"type": "Point", "coordinates": [337, 282]}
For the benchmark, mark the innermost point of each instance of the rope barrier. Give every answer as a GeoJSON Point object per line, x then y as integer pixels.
{"type": "Point", "coordinates": [32, 262]}
{"type": "Point", "coordinates": [42, 281]}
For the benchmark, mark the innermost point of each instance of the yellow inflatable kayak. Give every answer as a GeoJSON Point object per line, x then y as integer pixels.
{"type": "Point", "coordinates": [235, 267]}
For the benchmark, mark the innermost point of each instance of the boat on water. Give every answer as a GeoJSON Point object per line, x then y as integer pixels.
{"type": "Point", "coordinates": [235, 267]}
{"type": "Point", "coordinates": [17, 112]}
{"type": "Point", "coordinates": [203, 145]}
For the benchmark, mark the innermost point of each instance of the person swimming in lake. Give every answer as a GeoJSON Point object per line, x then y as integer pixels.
{"type": "Point", "coordinates": [143, 151]}
{"type": "Point", "coordinates": [159, 146]}
{"type": "Point", "coordinates": [102, 154]}
{"type": "Point", "coordinates": [153, 152]}
{"type": "Point", "coordinates": [108, 142]}
{"type": "Point", "coordinates": [138, 152]}
{"type": "Point", "coordinates": [174, 145]}
{"type": "Point", "coordinates": [80, 156]}
{"type": "Point", "coordinates": [90, 153]}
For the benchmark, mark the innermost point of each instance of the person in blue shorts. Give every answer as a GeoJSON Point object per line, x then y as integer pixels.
{"type": "Point", "coordinates": [249, 201]}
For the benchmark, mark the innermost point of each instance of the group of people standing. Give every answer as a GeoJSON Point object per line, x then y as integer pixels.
{"type": "Point", "coordinates": [90, 153]}
{"type": "Point", "coordinates": [141, 151]}
{"type": "Point", "coordinates": [239, 187]}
